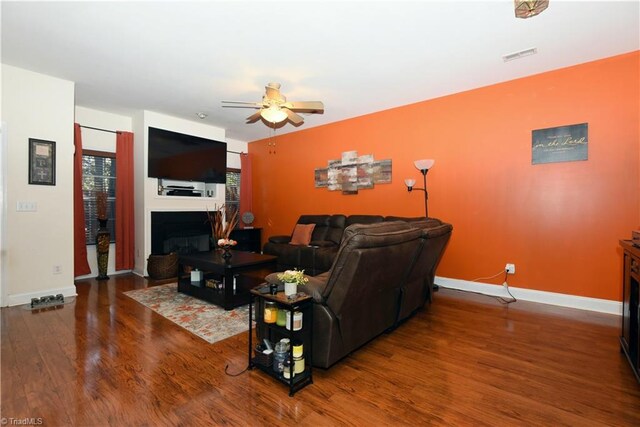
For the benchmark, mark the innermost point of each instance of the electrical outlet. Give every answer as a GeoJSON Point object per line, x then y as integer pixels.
{"type": "Point", "coordinates": [57, 269]}
{"type": "Point", "coordinates": [510, 268]}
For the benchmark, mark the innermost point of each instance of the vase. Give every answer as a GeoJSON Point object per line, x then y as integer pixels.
{"type": "Point", "coordinates": [103, 240]}
{"type": "Point", "coordinates": [290, 289]}
{"type": "Point", "coordinates": [226, 254]}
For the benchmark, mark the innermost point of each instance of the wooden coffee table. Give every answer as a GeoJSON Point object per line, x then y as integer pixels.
{"type": "Point", "coordinates": [235, 276]}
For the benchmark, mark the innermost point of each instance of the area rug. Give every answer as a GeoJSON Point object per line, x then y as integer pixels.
{"type": "Point", "coordinates": [208, 321]}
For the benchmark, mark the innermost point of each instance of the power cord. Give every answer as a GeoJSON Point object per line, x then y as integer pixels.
{"type": "Point", "coordinates": [501, 300]}
{"type": "Point", "coordinates": [505, 285]}
{"type": "Point", "coordinates": [226, 371]}
{"type": "Point", "coordinates": [489, 277]}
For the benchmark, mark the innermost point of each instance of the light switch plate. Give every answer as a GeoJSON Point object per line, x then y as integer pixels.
{"type": "Point", "coordinates": [26, 206]}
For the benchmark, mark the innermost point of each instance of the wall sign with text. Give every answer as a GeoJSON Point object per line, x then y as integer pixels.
{"type": "Point", "coordinates": [560, 144]}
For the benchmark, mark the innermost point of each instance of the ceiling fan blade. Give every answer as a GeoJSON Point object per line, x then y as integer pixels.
{"type": "Point", "coordinates": [293, 117]}
{"type": "Point", "coordinates": [306, 106]}
{"type": "Point", "coordinates": [273, 91]}
{"type": "Point", "coordinates": [254, 117]}
{"type": "Point", "coordinates": [241, 104]}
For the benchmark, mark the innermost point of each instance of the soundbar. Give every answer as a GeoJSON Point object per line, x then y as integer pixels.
{"type": "Point", "coordinates": [179, 192]}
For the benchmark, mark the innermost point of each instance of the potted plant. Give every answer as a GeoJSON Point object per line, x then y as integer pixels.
{"type": "Point", "coordinates": [219, 228]}
{"type": "Point", "coordinates": [291, 279]}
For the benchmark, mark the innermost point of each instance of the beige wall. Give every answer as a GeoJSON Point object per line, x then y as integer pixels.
{"type": "Point", "coordinates": [33, 244]}
{"type": "Point", "coordinates": [37, 106]}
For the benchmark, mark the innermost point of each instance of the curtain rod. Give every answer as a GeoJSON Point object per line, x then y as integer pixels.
{"type": "Point", "coordinates": [101, 130]}
{"type": "Point", "coordinates": [114, 131]}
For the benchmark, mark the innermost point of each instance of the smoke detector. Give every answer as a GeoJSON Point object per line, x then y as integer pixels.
{"type": "Point", "coordinates": [202, 115]}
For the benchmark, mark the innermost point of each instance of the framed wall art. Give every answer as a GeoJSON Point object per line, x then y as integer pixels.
{"type": "Point", "coordinates": [42, 162]}
{"type": "Point", "coordinates": [560, 144]}
{"type": "Point", "coordinates": [351, 173]}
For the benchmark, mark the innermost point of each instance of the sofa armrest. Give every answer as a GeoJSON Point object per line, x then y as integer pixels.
{"type": "Point", "coordinates": [280, 239]}
{"type": "Point", "coordinates": [322, 243]}
{"type": "Point", "coordinates": [314, 287]}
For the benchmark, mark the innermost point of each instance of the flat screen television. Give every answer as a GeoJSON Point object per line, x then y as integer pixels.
{"type": "Point", "coordinates": [181, 157]}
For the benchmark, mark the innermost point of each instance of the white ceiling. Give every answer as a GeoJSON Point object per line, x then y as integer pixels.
{"type": "Point", "coordinates": [357, 57]}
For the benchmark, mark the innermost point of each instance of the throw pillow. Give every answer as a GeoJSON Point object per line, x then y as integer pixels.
{"type": "Point", "coordinates": [302, 234]}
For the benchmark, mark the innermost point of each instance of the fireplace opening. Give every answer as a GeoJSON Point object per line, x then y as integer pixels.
{"type": "Point", "coordinates": [180, 232]}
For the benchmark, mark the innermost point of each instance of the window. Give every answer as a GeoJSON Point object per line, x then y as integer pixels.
{"type": "Point", "coordinates": [232, 192]}
{"type": "Point", "coordinates": [98, 174]}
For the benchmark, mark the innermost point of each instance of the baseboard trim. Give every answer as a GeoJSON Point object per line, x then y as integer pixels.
{"type": "Point", "coordinates": [19, 299]}
{"type": "Point", "coordinates": [532, 295]}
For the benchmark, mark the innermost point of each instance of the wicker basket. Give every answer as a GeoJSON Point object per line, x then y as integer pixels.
{"type": "Point", "coordinates": [163, 266]}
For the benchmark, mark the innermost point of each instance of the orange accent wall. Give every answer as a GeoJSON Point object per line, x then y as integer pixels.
{"type": "Point", "coordinates": [559, 223]}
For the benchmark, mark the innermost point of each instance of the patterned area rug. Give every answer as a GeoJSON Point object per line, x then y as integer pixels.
{"type": "Point", "coordinates": [208, 321]}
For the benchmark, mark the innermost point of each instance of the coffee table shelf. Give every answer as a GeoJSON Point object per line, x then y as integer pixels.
{"type": "Point", "coordinates": [238, 274]}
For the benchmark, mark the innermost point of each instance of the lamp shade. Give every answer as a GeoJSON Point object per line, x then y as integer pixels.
{"type": "Point", "coordinates": [424, 164]}
{"type": "Point", "coordinates": [273, 114]}
{"type": "Point", "coordinates": [410, 182]}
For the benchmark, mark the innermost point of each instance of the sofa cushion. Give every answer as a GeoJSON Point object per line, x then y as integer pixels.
{"type": "Point", "coordinates": [363, 219]}
{"type": "Point", "coordinates": [335, 228]}
{"type": "Point", "coordinates": [382, 227]}
{"type": "Point", "coordinates": [280, 239]}
{"type": "Point", "coordinates": [405, 218]}
{"type": "Point", "coordinates": [288, 255]}
{"type": "Point", "coordinates": [321, 222]}
{"type": "Point", "coordinates": [302, 234]}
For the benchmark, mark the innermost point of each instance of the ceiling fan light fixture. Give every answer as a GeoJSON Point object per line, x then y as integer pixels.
{"type": "Point", "coordinates": [273, 114]}
{"type": "Point", "coordinates": [528, 8]}
{"type": "Point", "coordinates": [274, 108]}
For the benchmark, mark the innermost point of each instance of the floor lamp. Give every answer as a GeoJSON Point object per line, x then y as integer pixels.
{"type": "Point", "coordinates": [423, 166]}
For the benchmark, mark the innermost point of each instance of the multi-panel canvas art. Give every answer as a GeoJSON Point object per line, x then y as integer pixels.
{"type": "Point", "coordinates": [351, 173]}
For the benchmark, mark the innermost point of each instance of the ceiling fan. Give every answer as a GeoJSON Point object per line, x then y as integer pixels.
{"type": "Point", "coordinates": [275, 108]}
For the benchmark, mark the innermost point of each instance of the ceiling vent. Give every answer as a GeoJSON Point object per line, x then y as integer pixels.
{"type": "Point", "coordinates": [517, 55]}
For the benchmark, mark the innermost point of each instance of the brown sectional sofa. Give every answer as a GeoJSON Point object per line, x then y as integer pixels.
{"type": "Point", "coordinates": [318, 256]}
{"type": "Point", "coordinates": [381, 274]}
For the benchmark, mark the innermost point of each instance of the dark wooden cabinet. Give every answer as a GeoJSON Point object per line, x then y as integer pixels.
{"type": "Point", "coordinates": [630, 337]}
{"type": "Point", "coordinates": [249, 239]}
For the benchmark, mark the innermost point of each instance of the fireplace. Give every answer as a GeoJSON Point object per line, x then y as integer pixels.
{"type": "Point", "coordinates": [181, 232]}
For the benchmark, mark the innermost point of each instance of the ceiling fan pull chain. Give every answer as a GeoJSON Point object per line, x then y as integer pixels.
{"type": "Point", "coordinates": [272, 142]}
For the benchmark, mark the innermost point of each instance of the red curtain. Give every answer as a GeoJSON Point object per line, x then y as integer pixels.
{"type": "Point", "coordinates": [124, 201]}
{"type": "Point", "coordinates": [80, 263]}
{"type": "Point", "coordinates": [246, 192]}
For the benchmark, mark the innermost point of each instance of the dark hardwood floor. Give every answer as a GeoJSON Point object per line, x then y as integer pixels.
{"type": "Point", "coordinates": [465, 360]}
